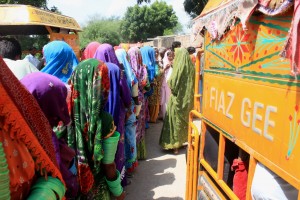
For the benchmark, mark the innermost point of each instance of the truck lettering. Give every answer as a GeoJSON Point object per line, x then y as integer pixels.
{"type": "Point", "coordinates": [246, 122]}
{"type": "Point", "coordinates": [269, 122]}
{"type": "Point", "coordinates": [231, 95]}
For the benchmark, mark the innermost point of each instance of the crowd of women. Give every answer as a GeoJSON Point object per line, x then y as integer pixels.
{"type": "Point", "coordinates": [77, 129]}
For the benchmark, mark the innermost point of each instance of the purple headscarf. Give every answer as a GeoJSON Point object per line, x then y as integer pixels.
{"type": "Point", "coordinates": [106, 53]}
{"type": "Point", "coordinates": [50, 93]}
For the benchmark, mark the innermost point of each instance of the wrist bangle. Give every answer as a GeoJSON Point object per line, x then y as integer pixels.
{"type": "Point", "coordinates": [115, 186]}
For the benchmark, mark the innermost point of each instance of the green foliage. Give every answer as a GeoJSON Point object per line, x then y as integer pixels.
{"type": "Point", "coordinates": [103, 30]}
{"type": "Point", "coordinates": [36, 3]}
{"type": "Point", "coordinates": [142, 22]}
{"type": "Point", "coordinates": [194, 7]}
{"type": "Point", "coordinates": [37, 41]}
{"type": "Point", "coordinates": [174, 31]}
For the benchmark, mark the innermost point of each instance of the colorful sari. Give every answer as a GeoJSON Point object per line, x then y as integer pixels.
{"type": "Point", "coordinates": [130, 125]}
{"type": "Point", "coordinates": [90, 88]}
{"type": "Point", "coordinates": [119, 99]}
{"type": "Point", "coordinates": [60, 60]}
{"type": "Point", "coordinates": [51, 94]}
{"type": "Point", "coordinates": [25, 137]}
{"type": "Point", "coordinates": [174, 131]}
{"type": "Point", "coordinates": [140, 71]}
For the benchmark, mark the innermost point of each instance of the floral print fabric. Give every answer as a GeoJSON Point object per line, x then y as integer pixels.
{"type": "Point", "coordinates": [90, 88]}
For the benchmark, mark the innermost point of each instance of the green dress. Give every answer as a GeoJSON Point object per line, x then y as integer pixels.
{"type": "Point", "coordinates": [90, 87]}
{"type": "Point", "coordinates": [175, 128]}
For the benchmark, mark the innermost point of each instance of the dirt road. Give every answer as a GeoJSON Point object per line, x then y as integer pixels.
{"type": "Point", "coordinates": [162, 175]}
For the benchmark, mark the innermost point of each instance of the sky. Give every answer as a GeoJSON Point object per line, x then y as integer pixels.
{"type": "Point", "coordinates": [82, 10]}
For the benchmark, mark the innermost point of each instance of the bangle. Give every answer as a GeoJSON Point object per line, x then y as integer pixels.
{"type": "Point", "coordinates": [115, 186]}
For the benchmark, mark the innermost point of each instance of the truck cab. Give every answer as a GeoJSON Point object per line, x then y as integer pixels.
{"type": "Point", "coordinates": [244, 128]}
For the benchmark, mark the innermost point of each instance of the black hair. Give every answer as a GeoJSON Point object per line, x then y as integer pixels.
{"type": "Point", "coordinates": [191, 50]}
{"type": "Point", "coordinates": [169, 53]}
{"type": "Point", "coordinates": [175, 44]}
{"type": "Point", "coordinates": [10, 48]}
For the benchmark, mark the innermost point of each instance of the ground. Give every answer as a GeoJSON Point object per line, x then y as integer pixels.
{"type": "Point", "coordinates": [162, 175]}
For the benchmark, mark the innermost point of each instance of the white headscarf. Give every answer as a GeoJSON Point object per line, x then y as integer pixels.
{"type": "Point", "coordinates": [166, 62]}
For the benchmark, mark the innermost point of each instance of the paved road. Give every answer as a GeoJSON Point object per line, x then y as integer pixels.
{"type": "Point", "coordinates": [162, 175]}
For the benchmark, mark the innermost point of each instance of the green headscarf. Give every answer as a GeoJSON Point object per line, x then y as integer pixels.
{"type": "Point", "coordinates": [182, 79]}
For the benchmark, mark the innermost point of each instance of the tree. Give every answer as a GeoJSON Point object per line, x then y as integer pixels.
{"type": "Point", "coordinates": [194, 7]}
{"type": "Point", "coordinates": [142, 22]}
{"type": "Point", "coordinates": [103, 30]}
{"type": "Point", "coordinates": [176, 30]}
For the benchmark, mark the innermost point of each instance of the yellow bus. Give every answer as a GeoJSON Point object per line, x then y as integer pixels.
{"type": "Point", "coordinates": [243, 131]}
{"type": "Point", "coordinates": [29, 20]}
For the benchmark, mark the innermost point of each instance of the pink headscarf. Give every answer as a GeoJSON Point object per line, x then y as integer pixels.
{"type": "Point", "coordinates": [90, 50]}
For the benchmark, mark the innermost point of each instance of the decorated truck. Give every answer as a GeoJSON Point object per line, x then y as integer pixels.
{"type": "Point", "coordinates": [244, 129]}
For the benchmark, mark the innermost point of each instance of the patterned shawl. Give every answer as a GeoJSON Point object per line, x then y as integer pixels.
{"type": "Point", "coordinates": [90, 87]}
{"type": "Point", "coordinates": [60, 60]}
{"type": "Point", "coordinates": [123, 58]}
{"type": "Point", "coordinates": [90, 50]}
{"type": "Point", "coordinates": [137, 66]}
{"type": "Point", "coordinates": [291, 49]}
{"type": "Point", "coordinates": [28, 123]}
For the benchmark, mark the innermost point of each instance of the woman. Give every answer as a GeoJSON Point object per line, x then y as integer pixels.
{"type": "Point", "coordinates": [148, 56]}
{"type": "Point", "coordinates": [51, 94]}
{"type": "Point", "coordinates": [118, 101]}
{"type": "Point", "coordinates": [140, 71]}
{"type": "Point", "coordinates": [90, 50]}
{"type": "Point", "coordinates": [130, 125]}
{"type": "Point", "coordinates": [155, 98]}
{"type": "Point", "coordinates": [130, 76]}
{"type": "Point", "coordinates": [174, 131]}
{"type": "Point", "coordinates": [92, 126]}
{"type": "Point", "coordinates": [26, 151]}
{"type": "Point", "coordinates": [165, 89]}
{"type": "Point", "coordinates": [60, 60]}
